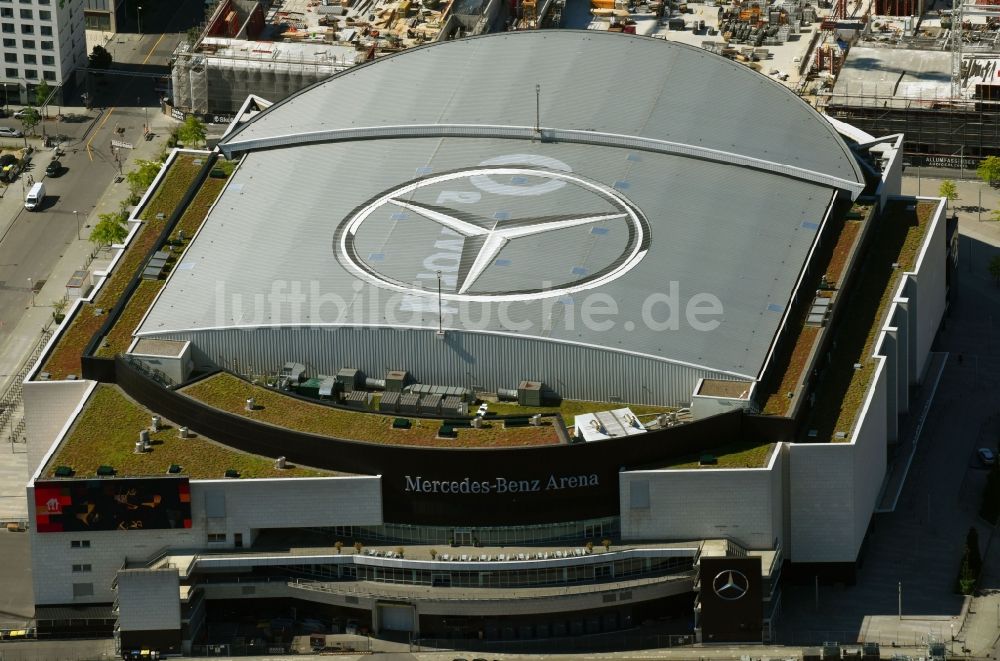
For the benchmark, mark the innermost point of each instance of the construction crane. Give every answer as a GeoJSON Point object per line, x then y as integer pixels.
{"type": "Point", "coordinates": [958, 15]}
{"type": "Point", "coordinates": [957, 19]}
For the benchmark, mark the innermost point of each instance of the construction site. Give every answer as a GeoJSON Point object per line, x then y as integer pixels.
{"type": "Point", "coordinates": [250, 47]}
{"type": "Point", "coordinates": [924, 68]}
{"type": "Point", "coordinates": [929, 73]}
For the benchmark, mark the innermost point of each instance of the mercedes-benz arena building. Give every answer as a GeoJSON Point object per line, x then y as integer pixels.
{"type": "Point", "coordinates": [585, 217]}
{"type": "Point", "coordinates": [615, 218]}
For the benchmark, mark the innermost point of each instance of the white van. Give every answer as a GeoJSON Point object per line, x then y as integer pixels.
{"type": "Point", "coordinates": [35, 197]}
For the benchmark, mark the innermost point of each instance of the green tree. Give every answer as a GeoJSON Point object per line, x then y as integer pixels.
{"type": "Point", "coordinates": [948, 190]}
{"type": "Point", "coordinates": [192, 36]}
{"type": "Point", "coordinates": [995, 269]}
{"type": "Point", "coordinates": [142, 177]}
{"type": "Point", "coordinates": [192, 132]}
{"type": "Point", "coordinates": [42, 91]}
{"type": "Point", "coordinates": [30, 119]}
{"type": "Point", "coordinates": [100, 58]}
{"type": "Point", "coordinates": [989, 169]}
{"type": "Point", "coordinates": [110, 229]}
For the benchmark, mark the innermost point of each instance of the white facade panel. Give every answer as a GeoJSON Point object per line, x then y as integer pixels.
{"type": "Point", "coordinates": [252, 505]}
{"type": "Point", "coordinates": [148, 600]}
{"type": "Point", "coordinates": [49, 407]}
{"type": "Point", "coordinates": [821, 498]}
{"type": "Point", "coordinates": [742, 504]}
{"type": "Point", "coordinates": [870, 455]}
{"type": "Point", "coordinates": [929, 289]}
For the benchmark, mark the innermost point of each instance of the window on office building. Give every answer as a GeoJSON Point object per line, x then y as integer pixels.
{"type": "Point", "coordinates": [79, 544]}
{"type": "Point", "coordinates": [10, 73]}
{"type": "Point", "coordinates": [216, 537]}
{"type": "Point", "coordinates": [31, 74]}
{"type": "Point", "coordinates": [81, 568]}
{"type": "Point", "coordinates": [83, 590]}
{"type": "Point", "coordinates": [49, 75]}
{"type": "Point", "coordinates": [48, 60]}
{"type": "Point", "coordinates": [10, 57]}
{"type": "Point", "coordinates": [28, 43]}
{"type": "Point", "coordinates": [27, 28]}
{"type": "Point", "coordinates": [27, 14]}
{"type": "Point", "coordinates": [46, 30]}
{"type": "Point", "coordinates": [6, 12]}
{"type": "Point", "coordinates": [10, 43]}
{"type": "Point", "coordinates": [30, 59]}
{"type": "Point", "coordinates": [46, 45]}
{"type": "Point", "coordinates": [44, 15]}
{"type": "Point", "coordinates": [7, 27]}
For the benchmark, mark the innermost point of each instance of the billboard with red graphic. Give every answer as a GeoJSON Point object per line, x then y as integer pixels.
{"type": "Point", "coordinates": [112, 504]}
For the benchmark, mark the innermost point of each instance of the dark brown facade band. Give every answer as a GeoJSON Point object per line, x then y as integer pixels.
{"type": "Point", "coordinates": [442, 486]}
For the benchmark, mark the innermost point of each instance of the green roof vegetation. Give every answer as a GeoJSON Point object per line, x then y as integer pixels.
{"type": "Point", "coordinates": [120, 335]}
{"type": "Point", "coordinates": [106, 431]}
{"type": "Point", "coordinates": [778, 402]}
{"type": "Point", "coordinates": [229, 393]}
{"type": "Point", "coordinates": [65, 356]}
{"type": "Point", "coordinates": [173, 186]}
{"type": "Point", "coordinates": [898, 236]}
{"type": "Point", "coordinates": [745, 454]}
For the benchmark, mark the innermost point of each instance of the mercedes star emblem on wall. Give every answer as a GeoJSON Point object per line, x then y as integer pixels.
{"type": "Point", "coordinates": [730, 585]}
{"type": "Point", "coordinates": [462, 204]}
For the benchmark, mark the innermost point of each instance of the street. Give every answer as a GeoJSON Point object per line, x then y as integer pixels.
{"type": "Point", "coordinates": [124, 103]}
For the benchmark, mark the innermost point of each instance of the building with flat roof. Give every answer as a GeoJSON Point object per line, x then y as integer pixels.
{"type": "Point", "coordinates": [487, 353]}
{"type": "Point", "coordinates": [42, 41]}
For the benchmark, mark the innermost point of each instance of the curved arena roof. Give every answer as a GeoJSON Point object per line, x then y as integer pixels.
{"type": "Point", "coordinates": [654, 168]}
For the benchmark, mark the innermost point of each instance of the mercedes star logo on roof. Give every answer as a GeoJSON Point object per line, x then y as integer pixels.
{"type": "Point", "coordinates": [730, 585]}
{"type": "Point", "coordinates": [470, 219]}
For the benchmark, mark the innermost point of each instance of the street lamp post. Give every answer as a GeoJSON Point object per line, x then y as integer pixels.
{"type": "Point", "coordinates": [76, 217]}
{"type": "Point", "coordinates": [138, 15]}
{"type": "Point", "coordinates": [31, 288]}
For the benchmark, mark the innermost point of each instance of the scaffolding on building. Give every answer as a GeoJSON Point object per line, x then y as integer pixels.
{"type": "Point", "coordinates": [216, 80]}
{"type": "Point", "coordinates": [938, 130]}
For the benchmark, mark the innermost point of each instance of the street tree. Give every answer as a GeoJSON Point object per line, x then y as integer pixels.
{"type": "Point", "coordinates": [948, 190]}
{"type": "Point", "coordinates": [42, 91]}
{"type": "Point", "coordinates": [142, 176]}
{"type": "Point", "coordinates": [110, 229]}
{"type": "Point", "coordinates": [192, 132]}
{"type": "Point", "coordinates": [30, 119]}
{"type": "Point", "coordinates": [989, 169]}
{"type": "Point", "coordinates": [995, 269]}
{"type": "Point", "coordinates": [100, 58]}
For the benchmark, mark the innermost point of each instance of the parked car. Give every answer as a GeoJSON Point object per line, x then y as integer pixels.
{"type": "Point", "coordinates": [54, 168]}
{"type": "Point", "coordinates": [8, 132]}
{"type": "Point", "coordinates": [35, 197]}
{"type": "Point", "coordinates": [9, 168]}
{"type": "Point", "coordinates": [24, 112]}
{"type": "Point", "coordinates": [987, 456]}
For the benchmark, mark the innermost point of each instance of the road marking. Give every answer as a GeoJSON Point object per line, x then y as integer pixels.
{"type": "Point", "coordinates": [150, 53]}
{"type": "Point", "coordinates": [99, 127]}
